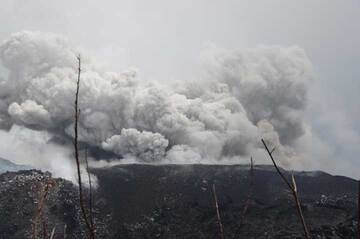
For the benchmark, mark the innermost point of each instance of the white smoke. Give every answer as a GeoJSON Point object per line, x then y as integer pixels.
{"type": "Point", "coordinates": [35, 149]}
{"type": "Point", "coordinates": [245, 95]}
{"type": "Point", "coordinates": [147, 146]}
{"type": "Point", "coordinates": [30, 113]}
{"type": "Point", "coordinates": [29, 147]}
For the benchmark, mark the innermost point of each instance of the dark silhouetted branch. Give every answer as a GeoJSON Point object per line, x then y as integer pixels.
{"type": "Point", "coordinates": [218, 217]}
{"type": "Point", "coordinates": [76, 146]}
{"type": "Point", "coordinates": [249, 198]}
{"type": "Point", "coordinates": [90, 191]}
{"type": "Point", "coordinates": [45, 234]}
{"type": "Point", "coordinates": [250, 192]}
{"type": "Point", "coordinates": [293, 188]}
{"type": "Point", "coordinates": [40, 209]}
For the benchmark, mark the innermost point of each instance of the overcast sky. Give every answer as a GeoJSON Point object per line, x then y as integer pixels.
{"type": "Point", "coordinates": [164, 40]}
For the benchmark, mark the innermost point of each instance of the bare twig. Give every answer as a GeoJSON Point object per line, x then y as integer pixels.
{"type": "Point", "coordinates": [76, 146]}
{"type": "Point", "coordinates": [52, 233]}
{"type": "Point", "coordinates": [221, 229]}
{"type": "Point", "coordinates": [65, 231]}
{"type": "Point", "coordinates": [90, 191]}
{"type": "Point", "coordinates": [293, 189]}
{"type": "Point", "coordinates": [40, 208]}
{"type": "Point", "coordinates": [45, 234]}
{"type": "Point", "coordinates": [248, 199]}
{"type": "Point", "coordinates": [250, 192]}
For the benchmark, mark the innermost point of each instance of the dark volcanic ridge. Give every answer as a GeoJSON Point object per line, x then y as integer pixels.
{"type": "Point", "coordinates": [175, 201]}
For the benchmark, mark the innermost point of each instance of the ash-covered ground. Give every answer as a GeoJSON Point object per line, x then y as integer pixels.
{"type": "Point", "coordinates": [176, 201]}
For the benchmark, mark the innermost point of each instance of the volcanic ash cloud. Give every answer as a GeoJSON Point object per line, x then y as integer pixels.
{"type": "Point", "coordinates": [244, 95]}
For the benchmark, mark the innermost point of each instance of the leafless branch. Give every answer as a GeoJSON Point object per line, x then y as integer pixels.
{"type": "Point", "coordinates": [250, 192]}
{"type": "Point", "coordinates": [293, 188]}
{"type": "Point", "coordinates": [76, 147]}
{"type": "Point", "coordinates": [248, 199]}
{"type": "Point", "coordinates": [65, 231]}
{"type": "Point", "coordinates": [52, 233]}
{"type": "Point", "coordinates": [90, 191]}
{"type": "Point", "coordinates": [45, 234]}
{"type": "Point", "coordinates": [40, 209]}
{"type": "Point", "coordinates": [221, 229]}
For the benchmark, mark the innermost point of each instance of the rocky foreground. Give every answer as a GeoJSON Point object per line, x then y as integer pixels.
{"type": "Point", "coordinates": [176, 201]}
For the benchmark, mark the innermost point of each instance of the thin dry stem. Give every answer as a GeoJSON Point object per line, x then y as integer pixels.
{"type": "Point", "coordinates": [90, 191]}
{"type": "Point", "coordinates": [250, 193]}
{"type": "Point", "coordinates": [52, 233]}
{"type": "Point", "coordinates": [45, 234]}
{"type": "Point", "coordinates": [248, 199]}
{"type": "Point", "coordinates": [293, 189]}
{"type": "Point", "coordinates": [221, 229]}
{"type": "Point", "coordinates": [76, 146]}
{"type": "Point", "coordinates": [65, 231]}
{"type": "Point", "coordinates": [39, 210]}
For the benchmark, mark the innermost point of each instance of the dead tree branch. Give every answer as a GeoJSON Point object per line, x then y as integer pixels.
{"type": "Point", "coordinates": [65, 231]}
{"type": "Point", "coordinates": [293, 188]}
{"type": "Point", "coordinates": [249, 198]}
{"type": "Point", "coordinates": [76, 147]}
{"type": "Point", "coordinates": [90, 191]}
{"type": "Point", "coordinates": [250, 192]}
{"type": "Point", "coordinates": [221, 229]}
{"type": "Point", "coordinates": [52, 233]}
{"type": "Point", "coordinates": [40, 209]}
{"type": "Point", "coordinates": [45, 234]}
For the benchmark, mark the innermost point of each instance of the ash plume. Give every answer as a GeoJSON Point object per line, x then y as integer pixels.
{"type": "Point", "coordinates": [245, 95]}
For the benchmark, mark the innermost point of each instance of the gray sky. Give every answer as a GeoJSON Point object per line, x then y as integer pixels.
{"type": "Point", "coordinates": [164, 40]}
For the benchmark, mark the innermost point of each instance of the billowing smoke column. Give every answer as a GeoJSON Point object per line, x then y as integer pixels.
{"type": "Point", "coordinates": [245, 95]}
